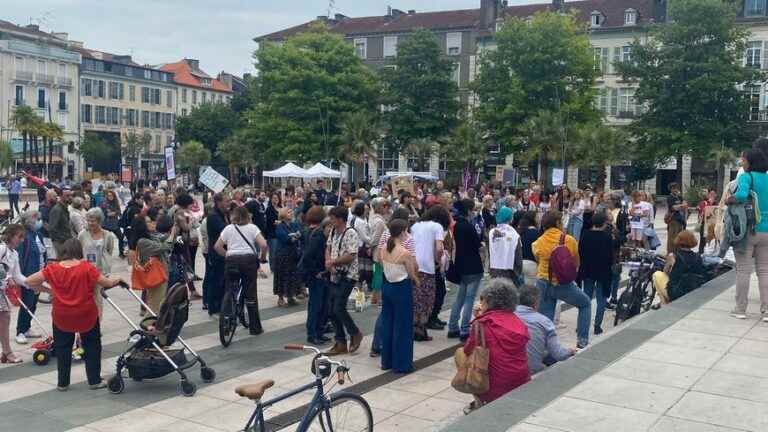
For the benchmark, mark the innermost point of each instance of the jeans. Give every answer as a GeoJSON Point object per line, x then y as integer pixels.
{"type": "Point", "coordinates": [14, 203]}
{"type": "Point", "coordinates": [339, 316]}
{"type": "Point", "coordinates": [91, 342]}
{"type": "Point", "coordinates": [593, 287]}
{"type": "Point", "coordinates": [615, 280]}
{"type": "Point", "coordinates": [571, 294]}
{"type": "Point", "coordinates": [24, 320]}
{"type": "Point", "coordinates": [574, 227]}
{"type": "Point", "coordinates": [439, 296]}
{"type": "Point", "coordinates": [317, 309]}
{"type": "Point", "coordinates": [465, 300]}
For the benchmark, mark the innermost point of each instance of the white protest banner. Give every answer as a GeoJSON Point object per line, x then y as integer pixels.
{"type": "Point", "coordinates": [213, 180]}
{"type": "Point", "coordinates": [558, 175]}
{"type": "Point", "coordinates": [170, 164]}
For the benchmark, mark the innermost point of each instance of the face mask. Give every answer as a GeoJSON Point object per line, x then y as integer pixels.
{"type": "Point", "coordinates": [38, 225]}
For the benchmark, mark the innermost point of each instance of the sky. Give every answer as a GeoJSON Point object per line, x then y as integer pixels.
{"type": "Point", "coordinates": [219, 33]}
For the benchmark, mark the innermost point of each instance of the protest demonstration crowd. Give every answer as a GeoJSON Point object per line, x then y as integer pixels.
{"type": "Point", "coordinates": [512, 257]}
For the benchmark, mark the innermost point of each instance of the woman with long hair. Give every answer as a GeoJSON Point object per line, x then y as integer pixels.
{"type": "Point", "coordinates": [400, 273]}
{"type": "Point", "coordinates": [271, 216]}
{"type": "Point", "coordinates": [9, 269]}
{"type": "Point", "coordinates": [288, 241]}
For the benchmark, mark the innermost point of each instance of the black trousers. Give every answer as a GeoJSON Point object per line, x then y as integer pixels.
{"type": "Point", "coordinates": [439, 296]}
{"type": "Point", "coordinates": [24, 320]}
{"type": "Point", "coordinates": [339, 316]}
{"type": "Point", "coordinates": [242, 270]}
{"type": "Point", "coordinates": [91, 342]}
{"type": "Point", "coordinates": [14, 203]}
{"type": "Point", "coordinates": [213, 284]}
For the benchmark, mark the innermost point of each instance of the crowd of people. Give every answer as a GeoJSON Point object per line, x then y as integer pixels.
{"type": "Point", "coordinates": [512, 256]}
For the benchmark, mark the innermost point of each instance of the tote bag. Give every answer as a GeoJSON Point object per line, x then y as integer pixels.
{"type": "Point", "coordinates": [472, 370]}
{"type": "Point", "coordinates": [147, 276]}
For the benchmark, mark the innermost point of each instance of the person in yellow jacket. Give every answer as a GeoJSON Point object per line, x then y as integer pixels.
{"type": "Point", "coordinates": [551, 289]}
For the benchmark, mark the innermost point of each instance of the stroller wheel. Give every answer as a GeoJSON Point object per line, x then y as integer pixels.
{"type": "Point", "coordinates": [207, 374]}
{"type": "Point", "coordinates": [41, 357]}
{"type": "Point", "coordinates": [116, 385]}
{"type": "Point", "coordinates": [188, 388]}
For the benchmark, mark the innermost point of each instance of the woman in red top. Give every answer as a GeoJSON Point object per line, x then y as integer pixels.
{"type": "Point", "coordinates": [71, 282]}
{"type": "Point", "coordinates": [506, 337]}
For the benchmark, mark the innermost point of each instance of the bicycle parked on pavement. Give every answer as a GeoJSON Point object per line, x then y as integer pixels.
{"type": "Point", "coordinates": [340, 411]}
{"type": "Point", "coordinates": [639, 294]}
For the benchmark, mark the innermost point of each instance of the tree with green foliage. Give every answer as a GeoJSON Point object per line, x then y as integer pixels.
{"type": "Point", "coordinates": [689, 72]}
{"type": "Point", "coordinates": [24, 119]}
{"type": "Point", "coordinates": [209, 124]}
{"type": "Point", "coordinates": [237, 152]}
{"type": "Point", "coordinates": [191, 156]}
{"type": "Point", "coordinates": [361, 133]}
{"type": "Point", "coordinates": [304, 89]}
{"type": "Point", "coordinates": [95, 150]}
{"type": "Point", "coordinates": [598, 146]}
{"type": "Point", "coordinates": [6, 155]}
{"type": "Point", "coordinates": [464, 149]}
{"type": "Point", "coordinates": [419, 92]}
{"type": "Point", "coordinates": [540, 77]}
{"type": "Point", "coordinates": [134, 146]}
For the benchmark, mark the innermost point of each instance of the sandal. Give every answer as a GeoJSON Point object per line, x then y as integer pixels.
{"type": "Point", "coordinates": [10, 358]}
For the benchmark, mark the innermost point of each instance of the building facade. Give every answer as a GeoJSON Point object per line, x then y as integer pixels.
{"type": "Point", "coordinates": [40, 70]}
{"type": "Point", "coordinates": [194, 86]}
{"type": "Point", "coordinates": [120, 98]}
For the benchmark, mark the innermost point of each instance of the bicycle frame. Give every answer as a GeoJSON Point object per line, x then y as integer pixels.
{"type": "Point", "coordinates": [319, 402]}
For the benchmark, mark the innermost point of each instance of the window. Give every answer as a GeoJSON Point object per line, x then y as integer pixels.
{"type": "Point", "coordinates": [20, 64]}
{"type": "Point", "coordinates": [613, 108]}
{"type": "Point", "coordinates": [626, 53]}
{"type": "Point", "coordinates": [101, 114]}
{"type": "Point", "coordinates": [387, 160]}
{"type": "Point", "coordinates": [100, 89]}
{"type": "Point", "coordinates": [194, 97]}
{"type": "Point", "coordinates": [113, 116]}
{"type": "Point", "coordinates": [157, 120]}
{"type": "Point", "coordinates": [602, 100]}
{"type": "Point", "coordinates": [754, 7]}
{"type": "Point", "coordinates": [62, 70]}
{"type": "Point", "coordinates": [156, 96]}
{"type": "Point", "coordinates": [456, 74]}
{"type": "Point", "coordinates": [169, 98]}
{"type": "Point", "coordinates": [184, 95]}
{"type": "Point", "coordinates": [204, 96]}
{"type": "Point", "coordinates": [601, 60]}
{"type": "Point", "coordinates": [86, 87]}
{"type": "Point", "coordinates": [754, 54]}
{"type": "Point", "coordinates": [63, 120]}
{"type": "Point", "coordinates": [390, 46]}
{"type": "Point", "coordinates": [596, 19]}
{"type": "Point", "coordinates": [453, 43]}
{"type": "Point", "coordinates": [145, 119]}
{"type": "Point", "coordinates": [85, 113]}
{"type": "Point", "coordinates": [147, 74]}
{"type": "Point", "coordinates": [183, 111]}
{"type": "Point", "coordinates": [41, 67]}
{"type": "Point", "coordinates": [132, 118]}
{"type": "Point", "coordinates": [132, 93]}
{"type": "Point", "coordinates": [115, 90]}
{"type": "Point", "coordinates": [158, 143]}
{"type": "Point", "coordinates": [145, 95]}
{"type": "Point", "coordinates": [630, 17]}
{"type": "Point", "coordinates": [62, 101]}
{"type": "Point", "coordinates": [627, 105]}
{"type": "Point", "coordinates": [754, 102]}
{"type": "Point", "coordinates": [19, 98]}
{"type": "Point", "coordinates": [361, 47]}
{"type": "Point", "coordinates": [41, 98]}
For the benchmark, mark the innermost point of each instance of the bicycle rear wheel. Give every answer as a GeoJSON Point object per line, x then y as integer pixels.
{"type": "Point", "coordinates": [348, 412]}
{"type": "Point", "coordinates": [227, 322]}
{"type": "Point", "coordinates": [241, 310]}
{"type": "Point", "coordinates": [649, 292]}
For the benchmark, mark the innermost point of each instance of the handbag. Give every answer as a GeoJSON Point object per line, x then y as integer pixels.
{"type": "Point", "coordinates": [147, 276]}
{"type": "Point", "coordinates": [472, 370]}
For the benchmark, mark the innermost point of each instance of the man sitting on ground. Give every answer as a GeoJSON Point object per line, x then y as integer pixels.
{"type": "Point", "coordinates": [544, 347]}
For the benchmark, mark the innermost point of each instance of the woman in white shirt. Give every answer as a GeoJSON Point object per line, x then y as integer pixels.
{"type": "Point", "coordinates": [238, 243]}
{"type": "Point", "coordinates": [506, 249]}
{"type": "Point", "coordinates": [9, 269]}
{"type": "Point", "coordinates": [576, 214]}
{"type": "Point", "coordinates": [639, 219]}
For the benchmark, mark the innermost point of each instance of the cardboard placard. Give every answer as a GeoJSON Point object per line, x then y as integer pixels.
{"type": "Point", "coordinates": [213, 180]}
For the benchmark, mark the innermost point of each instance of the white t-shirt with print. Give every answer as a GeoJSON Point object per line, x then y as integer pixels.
{"type": "Point", "coordinates": [236, 245]}
{"type": "Point", "coordinates": [425, 234]}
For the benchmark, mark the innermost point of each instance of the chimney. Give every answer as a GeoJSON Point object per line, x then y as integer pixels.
{"type": "Point", "coordinates": [225, 78]}
{"type": "Point", "coordinates": [397, 13]}
{"type": "Point", "coordinates": [489, 12]}
{"type": "Point", "coordinates": [194, 64]}
{"type": "Point", "coordinates": [77, 44]}
{"type": "Point", "coordinates": [339, 17]}
{"type": "Point", "coordinates": [33, 27]}
{"type": "Point", "coordinates": [60, 35]}
{"type": "Point", "coordinates": [389, 11]}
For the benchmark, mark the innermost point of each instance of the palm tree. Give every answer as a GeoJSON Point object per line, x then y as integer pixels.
{"type": "Point", "coordinates": [360, 131]}
{"type": "Point", "coordinates": [23, 118]}
{"type": "Point", "coordinates": [53, 132]}
{"type": "Point", "coordinates": [599, 146]}
{"type": "Point", "coordinates": [541, 139]}
{"type": "Point", "coordinates": [722, 156]}
{"type": "Point", "coordinates": [237, 152]}
{"type": "Point", "coordinates": [465, 149]}
{"type": "Point", "coordinates": [420, 149]}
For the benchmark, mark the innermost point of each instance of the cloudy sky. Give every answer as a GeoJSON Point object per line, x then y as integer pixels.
{"type": "Point", "coordinates": [217, 32]}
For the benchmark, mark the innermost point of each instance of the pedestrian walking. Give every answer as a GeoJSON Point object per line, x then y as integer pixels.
{"type": "Point", "coordinates": [596, 252]}
{"type": "Point", "coordinates": [469, 268]}
{"type": "Point", "coordinates": [428, 235]}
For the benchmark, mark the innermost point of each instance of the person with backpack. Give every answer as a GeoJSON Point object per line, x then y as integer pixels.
{"type": "Point", "coordinates": [557, 254]}
{"type": "Point", "coordinates": [683, 271]}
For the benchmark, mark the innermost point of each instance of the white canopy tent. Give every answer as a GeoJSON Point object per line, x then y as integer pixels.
{"type": "Point", "coordinates": [321, 171]}
{"type": "Point", "coordinates": [288, 170]}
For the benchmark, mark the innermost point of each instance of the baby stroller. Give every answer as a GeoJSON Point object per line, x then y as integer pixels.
{"type": "Point", "coordinates": [149, 355]}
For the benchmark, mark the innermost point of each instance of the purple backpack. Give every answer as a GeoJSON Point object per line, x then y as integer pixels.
{"type": "Point", "coordinates": [561, 264]}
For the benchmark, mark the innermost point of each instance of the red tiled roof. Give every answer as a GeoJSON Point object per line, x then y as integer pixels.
{"type": "Point", "coordinates": [613, 10]}
{"type": "Point", "coordinates": [184, 75]}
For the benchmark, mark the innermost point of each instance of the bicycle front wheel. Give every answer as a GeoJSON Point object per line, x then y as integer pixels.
{"type": "Point", "coordinates": [347, 412]}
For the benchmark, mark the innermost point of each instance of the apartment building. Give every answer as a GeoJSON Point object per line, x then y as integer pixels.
{"type": "Point", "coordinates": [120, 98]}
{"type": "Point", "coordinates": [40, 70]}
{"type": "Point", "coordinates": [194, 86]}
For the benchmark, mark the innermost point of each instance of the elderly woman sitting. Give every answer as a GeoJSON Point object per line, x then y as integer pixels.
{"type": "Point", "coordinates": [98, 245]}
{"type": "Point", "coordinates": [506, 337]}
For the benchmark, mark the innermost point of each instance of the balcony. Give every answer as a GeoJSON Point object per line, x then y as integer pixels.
{"type": "Point", "coordinates": [758, 116]}
{"type": "Point", "coordinates": [23, 76]}
{"type": "Point", "coordinates": [64, 81]}
{"type": "Point", "coordinates": [44, 78]}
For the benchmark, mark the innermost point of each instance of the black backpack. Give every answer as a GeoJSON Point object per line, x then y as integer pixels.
{"type": "Point", "coordinates": [629, 304]}
{"type": "Point", "coordinates": [622, 224]}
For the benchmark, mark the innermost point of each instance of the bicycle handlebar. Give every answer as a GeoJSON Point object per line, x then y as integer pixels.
{"type": "Point", "coordinates": [341, 368]}
{"type": "Point", "coordinates": [299, 347]}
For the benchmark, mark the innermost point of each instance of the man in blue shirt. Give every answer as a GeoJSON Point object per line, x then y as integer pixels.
{"type": "Point", "coordinates": [544, 347]}
{"type": "Point", "coordinates": [14, 192]}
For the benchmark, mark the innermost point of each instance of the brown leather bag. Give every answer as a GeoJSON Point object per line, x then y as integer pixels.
{"type": "Point", "coordinates": [472, 370]}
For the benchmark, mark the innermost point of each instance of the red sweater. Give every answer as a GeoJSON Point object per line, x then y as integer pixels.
{"type": "Point", "coordinates": [506, 337]}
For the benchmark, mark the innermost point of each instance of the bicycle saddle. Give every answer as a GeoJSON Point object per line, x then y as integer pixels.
{"type": "Point", "coordinates": [254, 391]}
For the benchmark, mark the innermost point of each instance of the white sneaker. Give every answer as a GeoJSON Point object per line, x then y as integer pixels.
{"type": "Point", "coordinates": [33, 335]}
{"type": "Point", "coordinates": [765, 317]}
{"type": "Point", "coordinates": [21, 339]}
{"type": "Point", "coordinates": [739, 315]}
